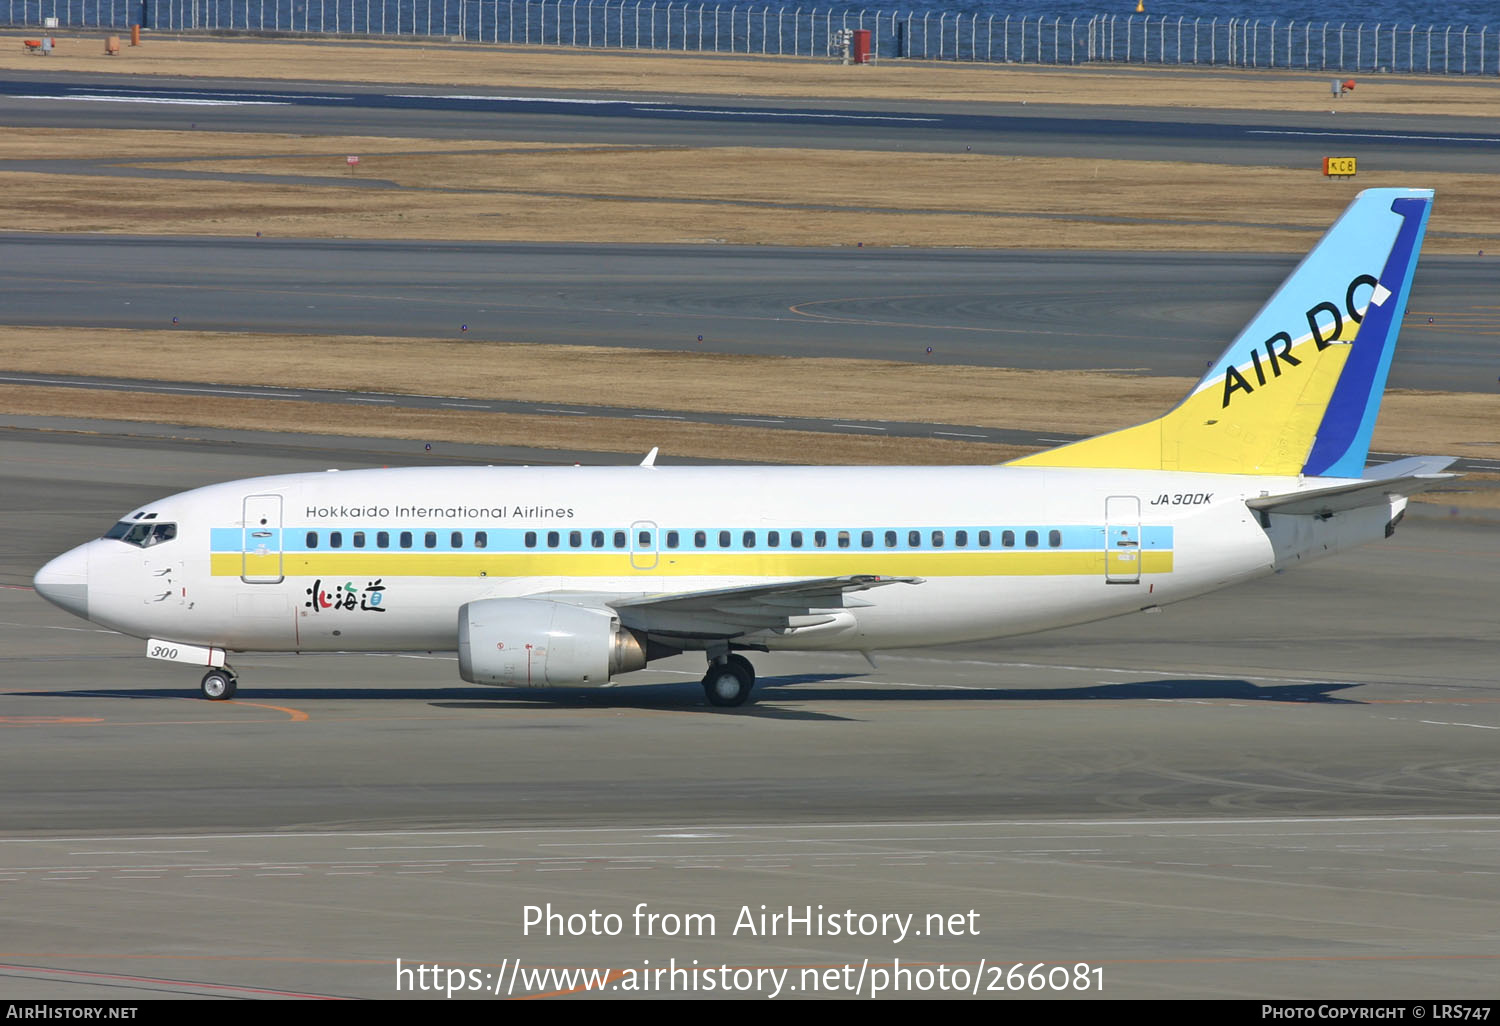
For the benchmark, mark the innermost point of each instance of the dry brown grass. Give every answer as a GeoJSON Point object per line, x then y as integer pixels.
{"type": "Point", "coordinates": [741, 195]}
{"type": "Point", "coordinates": [591, 434]}
{"type": "Point", "coordinates": [1459, 424]}
{"type": "Point", "coordinates": [533, 68]}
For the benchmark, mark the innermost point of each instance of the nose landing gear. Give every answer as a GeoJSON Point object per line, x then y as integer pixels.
{"type": "Point", "coordinates": [219, 684]}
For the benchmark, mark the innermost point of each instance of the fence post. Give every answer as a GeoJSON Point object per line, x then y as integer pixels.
{"type": "Point", "coordinates": [1446, 31]}
{"type": "Point", "coordinates": [1463, 49]}
{"type": "Point", "coordinates": [1007, 39]}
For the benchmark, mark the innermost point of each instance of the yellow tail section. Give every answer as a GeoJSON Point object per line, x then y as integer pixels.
{"type": "Point", "coordinates": [1298, 391]}
{"type": "Point", "coordinates": [1222, 428]}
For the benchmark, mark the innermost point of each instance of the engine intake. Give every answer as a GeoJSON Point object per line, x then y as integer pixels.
{"type": "Point", "coordinates": [533, 643]}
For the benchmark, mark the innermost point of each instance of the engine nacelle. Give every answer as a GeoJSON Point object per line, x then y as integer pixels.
{"type": "Point", "coordinates": [533, 643]}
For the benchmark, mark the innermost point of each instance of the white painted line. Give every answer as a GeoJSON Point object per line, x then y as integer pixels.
{"type": "Point", "coordinates": [788, 114]}
{"type": "Point", "coordinates": [757, 420]}
{"type": "Point", "coordinates": [389, 847]}
{"type": "Point", "coordinates": [1376, 135]}
{"type": "Point", "coordinates": [959, 434]}
{"type": "Point", "coordinates": [657, 416]}
{"type": "Point", "coordinates": [1476, 726]}
{"type": "Point", "coordinates": [571, 413]}
{"type": "Point", "coordinates": [522, 99]}
{"type": "Point", "coordinates": [859, 427]}
{"type": "Point", "coordinates": [96, 98]}
{"type": "Point", "coordinates": [253, 393]}
{"type": "Point", "coordinates": [468, 406]}
{"type": "Point", "coordinates": [170, 851]}
{"type": "Point", "coordinates": [979, 823]}
{"type": "Point", "coordinates": [354, 399]}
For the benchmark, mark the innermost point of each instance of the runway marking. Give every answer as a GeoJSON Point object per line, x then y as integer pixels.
{"type": "Point", "coordinates": [82, 975]}
{"type": "Point", "coordinates": [45, 721]}
{"type": "Point", "coordinates": [468, 406]}
{"type": "Point", "coordinates": [580, 101]}
{"type": "Point", "coordinates": [786, 114]}
{"type": "Point", "coordinates": [149, 851]}
{"type": "Point", "coordinates": [183, 102]}
{"type": "Point", "coordinates": [297, 715]}
{"type": "Point", "coordinates": [1477, 726]}
{"type": "Point", "coordinates": [860, 427]}
{"type": "Point", "coordinates": [252, 393]}
{"type": "Point", "coordinates": [1374, 135]}
{"type": "Point", "coordinates": [48, 627]}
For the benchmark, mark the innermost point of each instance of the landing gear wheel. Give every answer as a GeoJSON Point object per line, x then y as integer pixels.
{"type": "Point", "coordinates": [743, 663]}
{"type": "Point", "coordinates": [729, 683]}
{"type": "Point", "coordinates": [219, 685]}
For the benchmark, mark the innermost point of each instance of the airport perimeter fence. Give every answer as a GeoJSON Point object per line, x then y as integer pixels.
{"type": "Point", "coordinates": [806, 31]}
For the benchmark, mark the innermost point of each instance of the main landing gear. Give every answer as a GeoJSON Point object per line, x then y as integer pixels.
{"type": "Point", "coordinates": [219, 684]}
{"type": "Point", "coordinates": [729, 680]}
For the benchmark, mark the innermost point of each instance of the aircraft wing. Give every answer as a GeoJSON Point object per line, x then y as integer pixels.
{"type": "Point", "coordinates": [1398, 478]}
{"type": "Point", "coordinates": [730, 612]}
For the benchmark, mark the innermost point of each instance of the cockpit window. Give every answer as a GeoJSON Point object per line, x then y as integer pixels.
{"type": "Point", "coordinates": [142, 535]}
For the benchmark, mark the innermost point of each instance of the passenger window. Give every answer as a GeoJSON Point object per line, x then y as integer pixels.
{"type": "Point", "coordinates": [960, 539]}
{"type": "Point", "coordinates": [1031, 539]}
{"type": "Point", "coordinates": [749, 539]}
{"type": "Point", "coordinates": [531, 539]}
{"type": "Point", "coordinates": [700, 539]}
{"type": "Point", "coordinates": [406, 539]}
{"type": "Point", "coordinates": [481, 540]}
{"type": "Point", "coordinates": [723, 539]}
{"type": "Point", "coordinates": [456, 540]}
{"type": "Point", "coordinates": [553, 539]}
{"type": "Point", "coordinates": [619, 539]}
{"type": "Point", "coordinates": [773, 539]}
{"type": "Point", "coordinates": [575, 539]}
{"type": "Point", "coordinates": [382, 539]}
{"type": "Point", "coordinates": [937, 539]}
{"type": "Point", "coordinates": [1008, 539]}
{"type": "Point", "coordinates": [430, 539]}
{"type": "Point", "coordinates": [671, 539]}
{"type": "Point", "coordinates": [984, 539]}
{"type": "Point", "coordinates": [820, 539]}
{"type": "Point", "coordinates": [1054, 539]}
{"type": "Point", "coordinates": [336, 540]}
{"type": "Point", "coordinates": [914, 539]}
{"type": "Point", "coordinates": [643, 538]}
{"type": "Point", "coordinates": [312, 539]}
{"type": "Point", "coordinates": [890, 539]}
{"type": "Point", "coordinates": [796, 539]}
{"type": "Point", "coordinates": [358, 539]}
{"type": "Point", "coordinates": [843, 539]}
{"type": "Point", "coordinates": [597, 539]}
{"type": "Point", "coordinates": [867, 539]}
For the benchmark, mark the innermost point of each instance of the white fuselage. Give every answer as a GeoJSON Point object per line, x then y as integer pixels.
{"type": "Point", "coordinates": [383, 559]}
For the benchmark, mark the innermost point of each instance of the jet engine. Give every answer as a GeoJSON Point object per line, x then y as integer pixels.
{"type": "Point", "coordinates": [533, 643]}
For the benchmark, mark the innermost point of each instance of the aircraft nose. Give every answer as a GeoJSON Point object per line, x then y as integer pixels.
{"type": "Point", "coordinates": [65, 582]}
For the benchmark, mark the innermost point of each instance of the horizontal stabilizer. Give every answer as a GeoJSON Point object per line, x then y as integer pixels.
{"type": "Point", "coordinates": [1391, 480]}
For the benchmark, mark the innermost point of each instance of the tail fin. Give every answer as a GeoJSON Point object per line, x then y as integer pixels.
{"type": "Point", "coordinates": [1298, 391]}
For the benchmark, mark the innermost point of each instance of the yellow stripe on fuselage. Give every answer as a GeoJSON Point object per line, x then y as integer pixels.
{"type": "Point", "coordinates": [1019, 563]}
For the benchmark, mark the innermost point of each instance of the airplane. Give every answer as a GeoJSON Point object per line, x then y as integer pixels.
{"type": "Point", "coordinates": [572, 576]}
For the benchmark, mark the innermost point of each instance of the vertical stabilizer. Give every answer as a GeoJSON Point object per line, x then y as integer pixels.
{"type": "Point", "coordinates": [1298, 391]}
